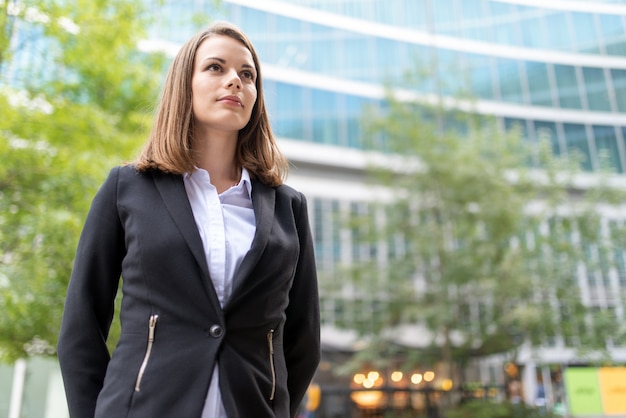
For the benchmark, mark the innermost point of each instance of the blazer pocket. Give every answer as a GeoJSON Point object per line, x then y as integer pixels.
{"type": "Point", "coordinates": [270, 345]}
{"type": "Point", "coordinates": [151, 327]}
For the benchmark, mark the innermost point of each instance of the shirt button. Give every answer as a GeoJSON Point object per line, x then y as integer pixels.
{"type": "Point", "coordinates": [216, 331]}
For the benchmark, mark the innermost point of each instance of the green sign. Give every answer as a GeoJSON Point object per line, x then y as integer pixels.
{"type": "Point", "coordinates": [583, 391]}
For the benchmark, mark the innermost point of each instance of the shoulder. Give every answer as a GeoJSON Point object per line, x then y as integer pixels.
{"type": "Point", "coordinates": [289, 192]}
{"type": "Point", "coordinates": [129, 172]}
{"type": "Point", "coordinates": [296, 198]}
{"type": "Point", "coordinates": [127, 181]}
{"type": "Point", "coordinates": [283, 195]}
{"type": "Point", "coordinates": [121, 172]}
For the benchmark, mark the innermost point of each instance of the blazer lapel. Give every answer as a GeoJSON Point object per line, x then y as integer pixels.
{"type": "Point", "coordinates": [263, 202]}
{"type": "Point", "coordinates": [172, 191]}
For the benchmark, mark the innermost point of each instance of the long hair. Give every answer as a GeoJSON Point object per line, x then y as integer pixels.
{"type": "Point", "coordinates": [169, 145]}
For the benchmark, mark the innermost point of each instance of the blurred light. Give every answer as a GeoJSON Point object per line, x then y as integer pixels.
{"type": "Point", "coordinates": [367, 399]}
{"type": "Point", "coordinates": [416, 378]}
{"type": "Point", "coordinates": [359, 378]}
{"type": "Point", "coordinates": [396, 376]}
{"type": "Point", "coordinates": [373, 376]}
{"type": "Point", "coordinates": [429, 376]}
{"type": "Point", "coordinates": [368, 383]}
{"type": "Point", "coordinates": [446, 384]}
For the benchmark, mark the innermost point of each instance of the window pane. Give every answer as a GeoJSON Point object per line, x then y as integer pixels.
{"type": "Point", "coordinates": [538, 83]}
{"type": "Point", "coordinates": [567, 85]}
{"type": "Point", "coordinates": [519, 124]}
{"type": "Point", "coordinates": [355, 108]}
{"type": "Point", "coordinates": [393, 60]}
{"type": "Point", "coordinates": [357, 57]}
{"type": "Point", "coordinates": [448, 71]}
{"type": "Point", "coordinates": [288, 43]}
{"type": "Point", "coordinates": [480, 76]}
{"type": "Point", "coordinates": [533, 35]}
{"type": "Point", "coordinates": [585, 34]}
{"type": "Point", "coordinates": [559, 36]}
{"type": "Point", "coordinates": [444, 23]}
{"type": "Point", "coordinates": [505, 32]}
{"type": "Point", "coordinates": [415, 15]}
{"type": "Point", "coordinates": [576, 140]}
{"type": "Point", "coordinates": [597, 93]}
{"type": "Point", "coordinates": [473, 26]}
{"type": "Point", "coordinates": [619, 86]}
{"type": "Point", "coordinates": [287, 112]}
{"type": "Point", "coordinates": [420, 67]}
{"type": "Point", "coordinates": [509, 76]}
{"type": "Point", "coordinates": [547, 130]}
{"type": "Point", "coordinates": [606, 146]}
{"type": "Point", "coordinates": [612, 32]}
{"type": "Point", "coordinates": [320, 58]}
{"type": "Point", "coordinates": [325, 114]}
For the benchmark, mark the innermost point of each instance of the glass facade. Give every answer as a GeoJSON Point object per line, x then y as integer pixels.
{"type": "Point", "coordinates": [326, 61]}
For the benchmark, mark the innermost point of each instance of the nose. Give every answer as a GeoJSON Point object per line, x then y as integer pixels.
{"type": "Point", "coordinates": [233, 80]}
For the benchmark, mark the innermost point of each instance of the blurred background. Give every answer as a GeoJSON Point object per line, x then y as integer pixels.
{"type": "Point", "coordinates": [464, 166]}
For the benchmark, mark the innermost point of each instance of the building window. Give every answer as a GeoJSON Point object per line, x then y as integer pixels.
{"type": "Point", "coordinates": [597, 92]}
{"type": "Point", "coordinates": [576, 140]}
{"type": "Point", "coordinates": [567, 86]}
{"type": "Point", "coordinates": [607, 148]}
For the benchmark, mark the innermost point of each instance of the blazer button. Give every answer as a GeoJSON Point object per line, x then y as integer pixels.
{"type": "Point", "coordinates": [216, 331]}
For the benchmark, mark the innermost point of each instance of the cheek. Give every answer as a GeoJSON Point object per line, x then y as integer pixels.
{"type": "Point", "coordinates": [252, 97]}
{"type": "Point", "coordinates": [201, 87]}
{"type": "Point", "coordinates": [194, 93]}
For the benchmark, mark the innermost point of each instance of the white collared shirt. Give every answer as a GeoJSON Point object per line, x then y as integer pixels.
{"type": "Point", "coordinates": [226, 225]}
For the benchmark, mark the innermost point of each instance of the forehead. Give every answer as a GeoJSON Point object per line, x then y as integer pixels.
{"type": "Point", "coordinates": [224, 47]}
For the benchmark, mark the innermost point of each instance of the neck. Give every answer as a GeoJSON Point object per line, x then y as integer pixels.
{"type": "Point", "coordinates": [217, 156]}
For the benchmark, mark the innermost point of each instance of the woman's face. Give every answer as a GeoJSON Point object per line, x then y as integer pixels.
{"type": "Point", "coordinates": [223, 85]}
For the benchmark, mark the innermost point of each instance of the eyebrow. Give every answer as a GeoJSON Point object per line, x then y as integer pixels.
{"type": "Point", "coordinates": [223, 61]}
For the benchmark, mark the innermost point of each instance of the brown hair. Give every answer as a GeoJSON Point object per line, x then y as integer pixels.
{"type": "Point", "coordinates": [169, 145]}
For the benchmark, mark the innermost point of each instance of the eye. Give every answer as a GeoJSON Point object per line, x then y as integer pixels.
{"type": "Point", "coordinates": [214, 67]}
{"type": "Point", "coordinates": [248, 74]}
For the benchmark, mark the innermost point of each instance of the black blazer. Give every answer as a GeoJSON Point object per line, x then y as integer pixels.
{"type": "Point", "coordinates": [266, 338]}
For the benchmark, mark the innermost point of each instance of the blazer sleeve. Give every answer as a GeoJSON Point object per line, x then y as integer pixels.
{"type": "Point", "coordinates": [302, 326]}
{"type": "Point", "coordinates": [89, 305]}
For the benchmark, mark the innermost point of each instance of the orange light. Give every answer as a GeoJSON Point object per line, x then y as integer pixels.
{"type": "Point", "coordinates": [429, 376]}
{"type": "Point", "coordinates": [367, 399]}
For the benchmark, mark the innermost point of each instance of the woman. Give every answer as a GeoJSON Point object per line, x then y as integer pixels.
{"type": "Point", "coordinates": [220, 313]}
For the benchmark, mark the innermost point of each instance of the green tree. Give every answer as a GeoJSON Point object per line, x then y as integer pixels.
{"type": "Point", "coordinates": [80, 105]}
{"type": "Point", "coordinates": [479, 246]}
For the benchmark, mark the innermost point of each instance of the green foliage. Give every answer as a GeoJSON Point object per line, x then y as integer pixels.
{"type": "Point", "coordinates": [81, 107]}
{"type": "Point", "coordinates": [485, 236]}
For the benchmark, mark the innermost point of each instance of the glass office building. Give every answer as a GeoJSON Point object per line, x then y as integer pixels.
{"type": "Point", "coordinates": [546, 66]}
{"type": "Point", "coordinates": [551, 67]}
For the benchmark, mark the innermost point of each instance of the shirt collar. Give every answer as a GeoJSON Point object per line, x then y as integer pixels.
{"type": "Point", "coordinates": [245, 179]}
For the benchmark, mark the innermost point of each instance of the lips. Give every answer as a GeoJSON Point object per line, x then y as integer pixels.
{"type": "Point", "coordinates": [232, 99]}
